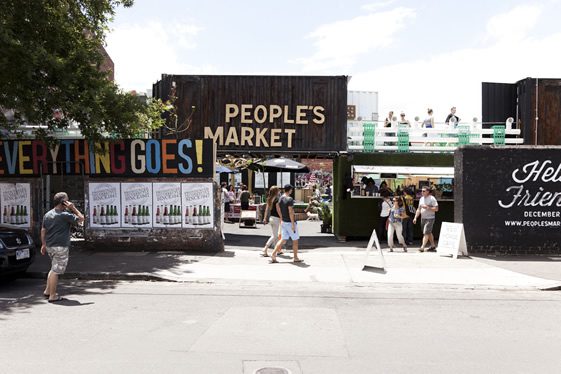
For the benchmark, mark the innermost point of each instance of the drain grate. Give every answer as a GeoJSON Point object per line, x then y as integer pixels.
{"type": "Point", "coordinates": [272, 371]}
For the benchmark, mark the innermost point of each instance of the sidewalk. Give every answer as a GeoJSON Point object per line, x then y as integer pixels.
{"type": "Point", "coordinates": [325, 262]}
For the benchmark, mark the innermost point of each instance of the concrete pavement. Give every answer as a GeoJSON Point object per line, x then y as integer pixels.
{"type": "Point", "coordinates": [225, 328]}
{"type": "Point", "coordinates": [326, 261]}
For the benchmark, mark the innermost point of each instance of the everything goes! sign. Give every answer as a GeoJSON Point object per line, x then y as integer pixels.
{"type": "Point", "coordinates": [121, 158]}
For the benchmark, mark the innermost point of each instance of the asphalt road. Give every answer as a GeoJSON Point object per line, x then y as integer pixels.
{"type": "Point", "coordinates": [145, 327]}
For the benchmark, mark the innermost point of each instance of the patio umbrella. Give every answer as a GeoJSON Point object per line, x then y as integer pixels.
{"type": "Point", "coordinates": [280, 165]}
{"type": "Point", "coordinates": [223, 169]}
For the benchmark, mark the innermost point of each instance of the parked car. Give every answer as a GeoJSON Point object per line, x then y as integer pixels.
{"type": "Point", "coordinates": [17, 250]}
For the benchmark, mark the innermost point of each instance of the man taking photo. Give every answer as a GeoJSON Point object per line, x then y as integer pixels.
{"type": "Point", "coordinates": [55, 240]}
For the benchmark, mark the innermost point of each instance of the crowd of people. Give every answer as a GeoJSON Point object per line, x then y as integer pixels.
{"type": "Point", "coordinates": [230, 197]}
{"type": "Point", "coordinates": [451, 120]}
{"type": "Point", "coordinates": [398, 215]}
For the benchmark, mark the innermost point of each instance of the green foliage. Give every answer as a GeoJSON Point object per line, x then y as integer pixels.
{"type": "Point", "coordinates": [51, 60]}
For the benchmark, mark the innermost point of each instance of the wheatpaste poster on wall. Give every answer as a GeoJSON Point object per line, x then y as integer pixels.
{"type": "Point", "coordinates": [136, 205]}
{"type": "Point", "coordinates": [15, 204]}
{"type": "Point", "coordinates": [105, 205]}
{"type": "Point", "coordinates": [167, 205]}
{"type": "Point", "coordinates": [197, 208]}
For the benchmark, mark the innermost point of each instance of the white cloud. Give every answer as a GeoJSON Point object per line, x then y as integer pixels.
{"type": "Point", "coordinates": [454, 78]}
{"type": "Point", "coordinates": [376, 6]}
{"type": "Point", "coordinates": [142, 52]}
{"type": "Point", "coordinates": [339, 44]}
{"type": "Point", "coordinates": [185, 34]}
{"type": "Point", "coordinates": [515, 24]}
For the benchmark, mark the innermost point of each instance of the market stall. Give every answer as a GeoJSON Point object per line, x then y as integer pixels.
{"type": "Point", "coordinates": [399, 178]}
{"type": "Point", "coordinates": [357, 205]}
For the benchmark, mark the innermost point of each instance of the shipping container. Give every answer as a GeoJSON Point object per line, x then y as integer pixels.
{"type": "Point", "coordinates": [364, 105]}
{"type": "Point", "coordinates": [534, 103]}
{"type": "Point", "coordinates": [259, 114]}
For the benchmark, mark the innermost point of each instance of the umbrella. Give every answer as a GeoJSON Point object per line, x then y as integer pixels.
{"type": "Point", "coordinates": [223, 169]}
{"type": "Point", "coordinates": [281, 164]}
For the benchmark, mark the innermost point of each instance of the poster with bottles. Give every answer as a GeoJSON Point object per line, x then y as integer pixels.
{"type": "Point", "coordinates": [105, 205]}
{"type": "Point", "coordinates": [15, 204]}
{"type": "Point", "coordinates": [167, 205]}
{"type": "Point", "coordinates": [198, 205]}
{"type": "Point", "coordinates": [136, 205]}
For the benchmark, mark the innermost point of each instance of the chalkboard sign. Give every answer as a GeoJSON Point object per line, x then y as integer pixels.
{"type": "Point", "coordinates": [452, 240]}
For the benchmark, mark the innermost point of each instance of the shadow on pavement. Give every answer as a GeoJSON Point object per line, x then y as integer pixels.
{"type": "Point", "coordinates": [22, 295]}
{"type": "Point", "coordinates": [373, 269]}
{"type": "Point", "coordinates": [535, 258]}
{"type": "Point", "coordinates": [71, 302]}
{"type": "Point", "coordinates": [311, 237]}
{"type": "Point", "coordinates": [119, 264]}
{"type": "Point", "coordinates": [300, 264]}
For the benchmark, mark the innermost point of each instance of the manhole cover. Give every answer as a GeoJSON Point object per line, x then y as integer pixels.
{"type": "Point", "coordinates": [272, 371]}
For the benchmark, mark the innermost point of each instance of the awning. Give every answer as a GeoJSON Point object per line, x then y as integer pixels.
{"type": "Point", "coordinates": [442, 172]}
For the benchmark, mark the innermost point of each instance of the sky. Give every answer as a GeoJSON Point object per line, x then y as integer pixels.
{"type": "Point", "coordinates": [415, 54]}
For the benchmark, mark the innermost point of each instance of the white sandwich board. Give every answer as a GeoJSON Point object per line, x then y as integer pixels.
{"type": "Point", "coordinates": [452, 240]}
{"type": "Point", "coordinates": [374, 241]}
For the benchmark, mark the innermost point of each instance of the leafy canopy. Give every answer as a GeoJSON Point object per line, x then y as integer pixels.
{"type": "Point", "coordinates": [50, 62]}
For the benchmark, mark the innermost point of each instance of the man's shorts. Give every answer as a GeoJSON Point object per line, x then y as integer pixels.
{"type": "Point", "coordinates": [286, 230]}
{"type": "Point", "coordinates": [59, 259]}
{"type": "Point", "coordinates": [426, 225]}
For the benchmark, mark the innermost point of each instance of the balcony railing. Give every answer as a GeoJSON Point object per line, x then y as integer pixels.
{"type": "Point", "coordinates": [371, 136]}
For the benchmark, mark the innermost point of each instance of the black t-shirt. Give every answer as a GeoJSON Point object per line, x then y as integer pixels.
{"type": "Point", "coordinates": [450, 116]}
{"type": "Point", "coordinates": [284, 203]}
{"type": "Point", "coordinates": [274, 212]}
{"type": "Point", "coordinates": [244, 197]}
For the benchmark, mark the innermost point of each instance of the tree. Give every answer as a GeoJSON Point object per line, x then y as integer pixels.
{"type": "Point", "coordinates": [51, 53]}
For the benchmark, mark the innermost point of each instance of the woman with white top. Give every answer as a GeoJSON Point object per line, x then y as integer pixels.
{"type": "Point", "coordinates": [428, 123]}
{"type": "Point", "coordinates": [385, 208]}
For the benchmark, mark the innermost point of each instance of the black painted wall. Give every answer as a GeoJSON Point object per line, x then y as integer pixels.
{"type": "Point", "coordinates": [487, 182]}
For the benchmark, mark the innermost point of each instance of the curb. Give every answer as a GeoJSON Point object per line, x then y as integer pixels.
{"type": "Point", "coordinates": [102, 276]}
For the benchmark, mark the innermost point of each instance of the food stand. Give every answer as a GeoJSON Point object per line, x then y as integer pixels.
{"type": "Point", "coordinates": [399, 178]}
{"type": "Point", "coordinates": [356, 213]}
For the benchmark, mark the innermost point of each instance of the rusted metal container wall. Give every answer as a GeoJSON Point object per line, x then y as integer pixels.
{"type": "Point", "coordinates": [202, 102]}
{"type": "Point", "coordinates": [500, 101]}
{"type": "Point", "coordinates": [549, 112]}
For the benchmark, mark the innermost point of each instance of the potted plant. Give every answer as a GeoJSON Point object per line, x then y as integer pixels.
{"type": "Point", "coordinates": [327, 218]}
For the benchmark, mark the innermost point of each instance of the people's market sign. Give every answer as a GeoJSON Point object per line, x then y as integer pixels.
{"type": "Point", "coordinates": [256, 121]}
{"type": "Point", "coordinates": [262, 113]}
{"type": "Point", "coordinates": [120, 158]}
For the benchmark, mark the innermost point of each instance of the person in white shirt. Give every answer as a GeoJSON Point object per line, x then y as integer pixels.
{"type": "Point", "coordinates": [428, 206]}
{"type": "Point", "coordinates": [428, 123]}
{"type": "Point", "coordinates": [385, 207]}
{"type": "Point", "coordinates": [226, 200]}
